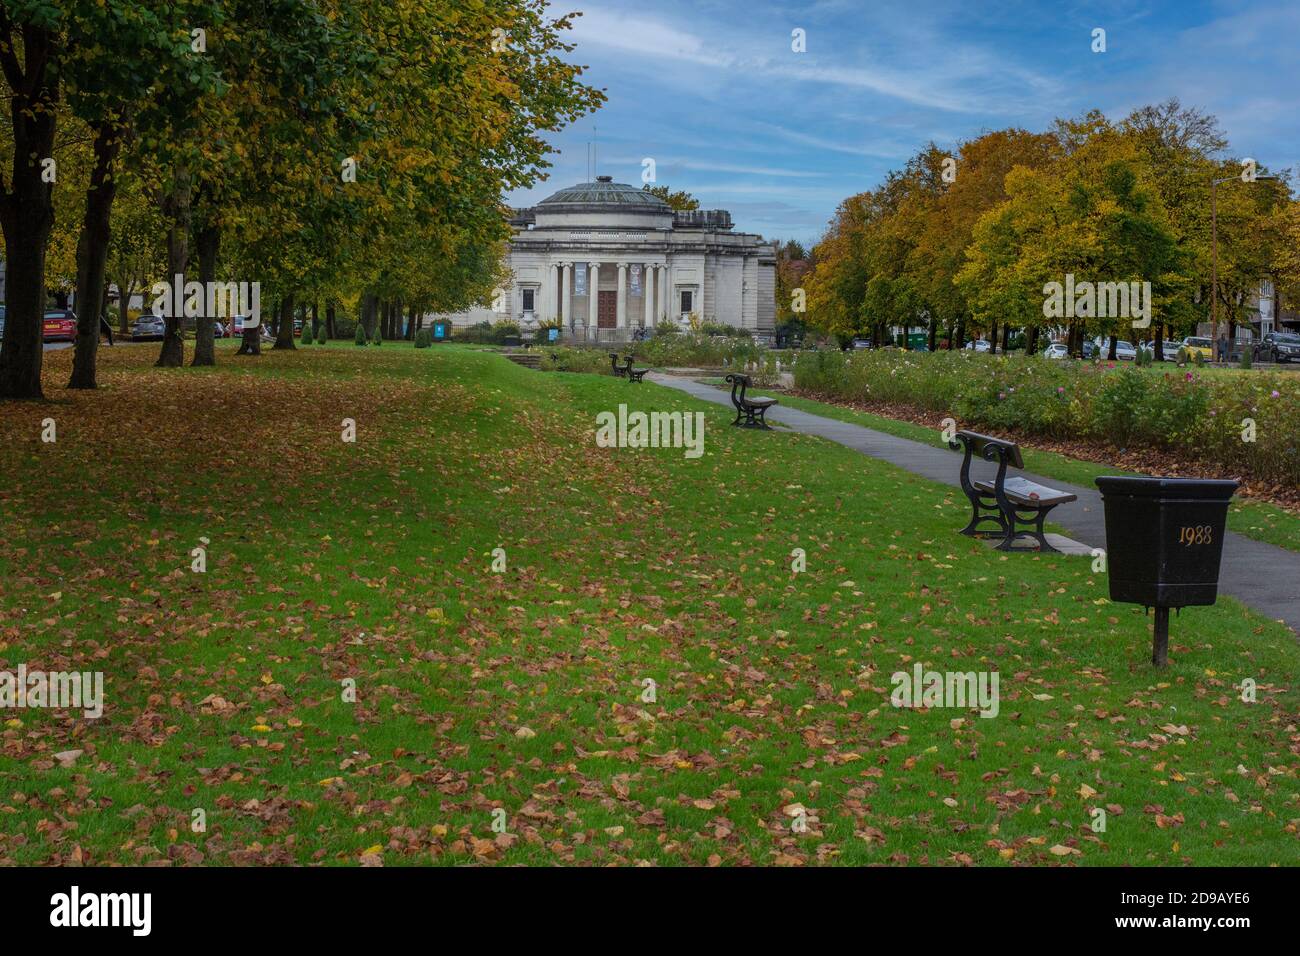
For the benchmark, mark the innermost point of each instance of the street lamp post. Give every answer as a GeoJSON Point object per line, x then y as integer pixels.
{"type": "Point", "coordinates": [1214, 245]}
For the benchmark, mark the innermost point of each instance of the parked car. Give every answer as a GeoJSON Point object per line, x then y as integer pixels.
{"type": "Point", "coordinates": [59, 325]}
{"type": "Point", "coordinates": [219, 329]}
{"type": "Point", "coordinates": [1125, 351]}
{"type": "Point", "coordinates": [148, 327]}
{"type": "Point", "coordinates": [237, 325]}
{"type": "Point", "coordinates": [1279, 347]}
{"type": "Point", "coordinates": [1198, 343]}
{"type": "Point", "coordinates": [1056, 350]}
{"type": "Point", "coordinates": [979, 345]}
{"type": "Point", "coordinates": [862, 343]}
{"type": "Point", "coordinates": [1171, 351]}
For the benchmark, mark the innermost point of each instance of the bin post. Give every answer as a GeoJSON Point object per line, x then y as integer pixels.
{"type": "Point", "coordinates": [1160, 641]}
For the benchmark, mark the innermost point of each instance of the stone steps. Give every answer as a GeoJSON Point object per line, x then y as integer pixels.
{"type": "Point", "coordinates": [526, 359]}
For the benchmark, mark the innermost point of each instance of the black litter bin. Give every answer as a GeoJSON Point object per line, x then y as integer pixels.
{"type": "Point", "coordinates": [1164, 542]}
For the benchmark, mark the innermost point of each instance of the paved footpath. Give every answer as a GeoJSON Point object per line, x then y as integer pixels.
{"type": "Point", "coordinates": [1263, 576]}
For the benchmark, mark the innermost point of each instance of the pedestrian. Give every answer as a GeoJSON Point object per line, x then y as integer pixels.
{"type": "Point", "coordinates": [1222, 347]}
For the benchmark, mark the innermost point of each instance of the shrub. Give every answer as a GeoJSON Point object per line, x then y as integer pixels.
{"type": "Point", "coordinates": [1245, 357]}
{"type": "Point", "coordinates": [423, 339]}
{"type": "Point", "coordinates": [306, 333]}
{"type": "Point", "coordinates": [378, 337]}
{"type": "Point", "coordinates": [361, 334]}
{"type": "Point", "coordinates": [1198, 359]}
{"type": "Point", "coordinates": [485, 333]}
{"type": "Point", "coordinates": [1127, 406]}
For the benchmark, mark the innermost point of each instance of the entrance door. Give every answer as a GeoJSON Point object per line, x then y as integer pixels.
{"type": "Point", "coordinates": [607, 309]}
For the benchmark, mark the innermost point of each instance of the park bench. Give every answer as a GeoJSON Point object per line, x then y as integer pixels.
{"type": "Point", "coordinates": [751, 410]}
{"type": "Point", "coordinates": [633, 374]}
{"type": "Point", "coordinates": [1016, 506]}
{"type": "Point", "coordinates": [619, 371]}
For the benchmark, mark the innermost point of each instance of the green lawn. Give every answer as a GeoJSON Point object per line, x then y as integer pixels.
{"type": "Point", "coordinates": [523, 690]}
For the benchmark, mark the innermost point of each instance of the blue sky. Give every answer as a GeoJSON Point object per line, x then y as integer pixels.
{"type": "Point", "coordinates": [713, 92]}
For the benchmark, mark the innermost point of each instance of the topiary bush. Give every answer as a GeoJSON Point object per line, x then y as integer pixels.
{"type": "Point", "coordinates": [361, 334]}
{"type": "Point", "coordinates": [423, 339]}
{"type": "Point", "coordinates": [306, 334]}
{"type": "Point", "coordinates": [378, 337]}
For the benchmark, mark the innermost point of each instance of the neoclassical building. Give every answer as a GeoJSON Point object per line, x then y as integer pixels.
{"type": "Point", "coordinates": [606, 258]}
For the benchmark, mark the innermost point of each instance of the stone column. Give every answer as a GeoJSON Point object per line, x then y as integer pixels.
{"type": "Point", "coordinates": [553, 306]}
{"type": "Point", "coordinates": [566, 292]}
{"type": "Point", "coordinates": [648, 296]}
{"type": "Point", "coordinates": [593, 304]}
{"type": "Point", "coordinates": [665, 307]}
{"type": "Point", "coordinates": [622, 296]}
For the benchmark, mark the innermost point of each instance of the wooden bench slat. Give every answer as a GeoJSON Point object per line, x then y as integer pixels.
{"type": "Point", "coordinates": [1027, 492]}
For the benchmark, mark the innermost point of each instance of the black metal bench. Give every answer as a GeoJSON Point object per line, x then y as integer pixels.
{"type": "Point", "coordinates": [750, 412]}
{"type": "Point", "coordinates": [1008, 503]}
{"type": "Point", "coordinates": [619, 371]}
{"type": "Point", "coordinates": [633, 374]}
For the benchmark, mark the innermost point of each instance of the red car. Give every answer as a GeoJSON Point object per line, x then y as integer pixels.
{"type": "Point", "coordinates": [59, 325]}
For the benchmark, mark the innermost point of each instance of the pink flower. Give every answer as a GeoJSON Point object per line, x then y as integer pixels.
{"type": "Point", "coordinates": [1276, 393]}
{"type": "Point", "coordinates": [1189, 376]}
{"type": "Point", "coordinates": [1060, 389]}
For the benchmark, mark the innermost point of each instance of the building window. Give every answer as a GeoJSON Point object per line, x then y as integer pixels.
{"type": "Point", "coordinates": [529, 295]}
{"type": "Point", "coordinates": [688, 301]}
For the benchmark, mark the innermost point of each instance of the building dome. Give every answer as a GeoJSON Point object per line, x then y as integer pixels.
{"type": "Point", "coordinates": [604, 195]}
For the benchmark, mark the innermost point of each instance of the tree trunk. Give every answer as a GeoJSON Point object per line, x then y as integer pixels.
{"type": "Point", "coordinates": [208, 241]}
{"type": "Point", "coordinates": [27, 214]}
{"type": "Point", "coordinates": [329, 320]}
{"type": "Point", "coordinates": [284, 332]}
{"type": "Point", "coordinates": [960, 339]}
{"type": "Point", "coordinates": [124, 293]}
{"type": "Point", "coordinates": [1110, 353]}
{"type": "Point", "coordinates": [176, 210]}
{"type": "Point", "coordinates": [1159, 340]}
{"type": "Point", "coordinates": [934, 333]}
{"type": "Point", "coordinates": [368, 314]}
{"type": "Point", "coordinates": [993, 338]}
{"type": "Point", "coordinates": [1031, 341]}
{"type": "Point", "coordinates": [1006, 338]}
{"type": "Point", "coordinates": [315, 319]}
{"type": "Point", "coordinates": [92, 253]}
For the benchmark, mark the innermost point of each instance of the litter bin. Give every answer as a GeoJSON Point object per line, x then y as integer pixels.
{"type": "Point", "coordinates": [1164, 542]}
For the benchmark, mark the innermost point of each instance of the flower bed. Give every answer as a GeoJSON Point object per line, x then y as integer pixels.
{"type": "Point", "coordinates": [1194, 413]}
